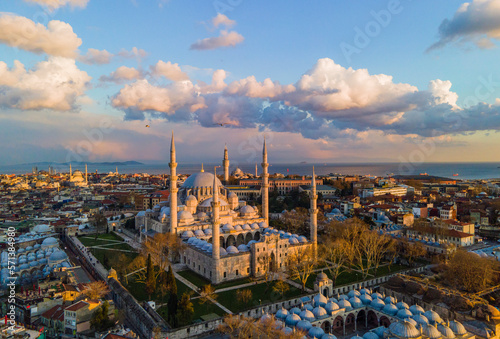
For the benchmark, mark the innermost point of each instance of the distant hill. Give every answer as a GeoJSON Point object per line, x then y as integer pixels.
{"type": "Point", "coordinates": [82, 163]}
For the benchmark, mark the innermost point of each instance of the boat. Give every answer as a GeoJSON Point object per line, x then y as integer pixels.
{"type": "Point", "coordinates": [455, 175]}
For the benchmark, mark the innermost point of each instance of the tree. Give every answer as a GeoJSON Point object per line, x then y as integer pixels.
{"type": "Point", "coordinates": [172, 299]}
{"type": "Point", "coordinates": [121, 264]}
{"type": "Point", "coordinates": [150, 277]}
{"type": "Point", "coordinates": [281, 286]}
{"type": "Point", "coordinates": [414, 250]}
{"type": "Point", "coordinates": [235, 326]}
{"type": "Point", "coordinates": [100, 319]}
{"type": "Point", "coordinates": [335, 253]}
{"type": "Point", "coordinates": [301, 264]}
{"type": "Point", "coordinates": [207, 295]}
{"type": "Point", "coordinates": [163, 285]}
{"type": "Point", "coordinates": [96, 290]}
{"type": "Point", "coordinates": [185, 310]}
{"type": "Point", "coordinates": [244, 296]}
{"type": "Point", "coordinates": [161, 247]}
{"type": "Point", "coordinates": [99, 222]}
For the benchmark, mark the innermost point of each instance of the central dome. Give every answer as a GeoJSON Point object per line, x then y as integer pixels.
{"type": "Point", "coordinates": [201, 179]}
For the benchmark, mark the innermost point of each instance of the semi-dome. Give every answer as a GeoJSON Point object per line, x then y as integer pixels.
{"type": "Point", "coordinates": [404, 329]}
{"type": "Point", "coordinates": [320, 300]}
{"type": "Point", "coordinates": [307, 315]}
{"type": "Point", "coordinates": [390, 309]}
{"type": "Point", "coordinates": [416, 309]}
{"type": "Point", "coordinates": [446, 331]}
{"type": "Point", "coordinates": [201, 179]}
{"type": "Point", "coordinates": [431, 332]}
{"type": "Point", "coordinates": [292, 319]}
{"type": "Point", "coordinates": [281, 314]}
{"type": "Point", "coordinates": [457, 327]}
{"type": "Point", "coordinates": [420, 319]}
{"type": "Point", "coordinates": [316, 332]}
{"type": "Point", "coordinates": [432, 316]}
{"type": "Point", "coordinates": [319, 312]}
{"type": "Point", "coordinates": [232, 250]}
{"type": "Point", "coordinates": [331, 307]}
{"type": "Point", "coordinates": [304, 325]}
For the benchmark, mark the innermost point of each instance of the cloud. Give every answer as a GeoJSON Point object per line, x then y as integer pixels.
{"type": "Point", "coordinates": [327, 102]}
{"type": "Point", "coordinates": [477, 22]}
{"type": "Point", "coordinates": [54, 4]}
{"type": "Point", "coordinates": [169, 70]}
{"type": "Point", "coordinates": [122, 74]}
{"type": "Point", "coordinates": [222, 20]}
{"type": "Point", "coordinates": [225, 39]}
{"type": "Point", "coordinates": [95, 56]}
{"type": "Point", "coordinates": [57, 39]}
{"type": "Point", "coordinates": [134, 53]}
{"type": "Point", "coordinates": [53, 84]}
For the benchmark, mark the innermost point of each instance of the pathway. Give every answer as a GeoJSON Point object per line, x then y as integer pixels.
{"type": "Point", "coordinates": [294, 284]}
{"type": "Point", "coordinates": [90, 257]}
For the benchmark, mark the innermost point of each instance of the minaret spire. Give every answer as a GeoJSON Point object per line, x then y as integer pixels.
{"type": "Point", "coordinates": [225, 165]}
{"type": "Point", "coordinates": [70, 171]}
{"type": "Point", "coordinates": [215, 230]}
{"type": "Point", "coordinates": [202, 170]}
{"type": "Point", "coordinates": [265, 184]}
{"type": "Point", "coordinates": [173, 187]}
{"type": "Point", "coordinates": [313, 214]}
{"type": "Point", "coordinates": [86, 175]}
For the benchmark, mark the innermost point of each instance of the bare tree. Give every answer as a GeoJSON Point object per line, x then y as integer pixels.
{"type": "Point", "coordinates": [301, 264]}
{"type": "Point", "coordinates": [281, 285]}
{"type": "Point", "coordinates": [207, 295]}
{"type": "Point", "coordinates": [244, 296]}
{"type": "Point", "coordinates": [336, 255]}
{"type": "Point", "coordinates": [96, 289]}
{"type": "Point", "coordinates": [162, 247]}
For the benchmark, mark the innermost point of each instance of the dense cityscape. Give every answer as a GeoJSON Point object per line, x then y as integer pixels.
{"type": "Point", "coordinates": [249, 169]}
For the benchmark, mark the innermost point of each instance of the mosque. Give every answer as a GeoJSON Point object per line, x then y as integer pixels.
{"type": "Point", "coordinates": [225, 239]}
{"type": "Point", "coordinates": [77, 178]}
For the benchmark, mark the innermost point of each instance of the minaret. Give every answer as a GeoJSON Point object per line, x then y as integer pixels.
{"type": "Point", "coordinates": [215, 230]}
{"type": "Point", "coordinates": [86, 179]}
{"type": "Point", "coordinates": [70, 171]}
{"type": "Point", "coordinates": [202, 170]}
{"type": "Point", "coordinates": [225, 164]}
{"type": "Point", "coordinates": [314, 215]}
{"type": "Point", "coordinates": [173, 188]}
{"type": "Point", "coordinates": [256, 172]}
{"type": "Point", "coordinates": [116, 170]}
{"type": "Point", "coordinates": [265, 184]}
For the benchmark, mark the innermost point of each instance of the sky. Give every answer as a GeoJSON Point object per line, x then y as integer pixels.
{"type": "Point", "coordinates": [322, 81]}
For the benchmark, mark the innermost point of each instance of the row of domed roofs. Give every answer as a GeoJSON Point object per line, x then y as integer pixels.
{"type": "Point", "coordinates": [207, 247]}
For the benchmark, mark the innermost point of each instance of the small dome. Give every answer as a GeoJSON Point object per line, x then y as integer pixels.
{"type": "Point", "coordinates": [331, 307]}
{"type": "Point", "coordinates": [262, 224]}
{"type": "Point", "coordinates": [328, 336]}
{"type": "Point", "coordinates": [222, 251]}
{"type": "Point", "coordinates": [390, 300]}
{"type": "Point", "coordinates": [208, 231]}
{"type": "Point", "coordinates": [265, 317]}
{"type": "Point", "coordinates": [400, 305]}
{"type": "Point", "coordinates": [58, 255]}
{"type": "Point", "coordinates": [232, 195]}
{"type": "Point", "coordinates": [185, 216]}
{"type": "Point", "coordinates": [29, 248]}
{"type": "Point", "coordinates": [227, 228]}
{"type": "Point", "coordinates": [416, 309]}
{"type": "Point", "coordinates": [191, 240]}
{"type": "Point", "coordinates": [245, 210]}
{"type": "Point", "coordinates": [50, 241]}
{"type": "Point", "coordinates": [390, 309]}
{"type": "Point", "coordinates": [319, 312]}
{"type": "Point", "coordinates": [420, 319]}
{"type": "Point", "coordinates": [345, 304]}
{"type": "Point", "coordinates": [37, 246]}
{"type": "Point", "coordinates": [295, 310]}
{"type": "Point", "coordinates": [293, 241]}
{"type": "Point", "coordinates": [207, 247]}
{"type": "Point", "coordinates": [404, 329]}
{"type": "Point", "coordinates": [356, 302]}
{"type": "Point", "coordinates": [431, 332]}
{"type": "Point", "coordinates": [281, 314]}
{"type": "Point", "coordinates": [243, 248]}
{"type": "Point", "coordinates": [377, 304]}
{"type": "Point", "coordinates": [41, 228]}
{"type": "Point", "coordinates": [365, 299]}
{"type": "Point", "coordinates": [200, 243]}
{"type": "Point", "coordinates": [433, 317]}
{"type": "Point", "coordinates": [315, 332]}
{"type": "Point", "coordinates": [322, 277]}
{"type": "Point", "coordinates": [353, 293]}
{"type": "Point", "coordinates": [246, 227]}
{"type": "Point", "coordinates": [446, 331]}
{"type": "Point", "coordinates": [201, 215]}
{"type": "Point", "coordinates": [199, 233]}
{"type": "Point", "coordinates": [192, 198]}
{"type": "Point", "coordinates": [370, 335]}
{"type": "Point", "coordinates": [292, 319]}
{"type": "Point", "coordinates": [457, 327]}
{"type": "Point", "coordinates": [377, 295]}
{"type": "Point", "coordinates": [404, 313]}
{"type": "Point", "coordinates": [302, 239]}
{"type": "Point", "coordinates": [308, 307]}
{"type": "Point", "coordinates": [343, 297]}
{"type": "Point", "coordinates": [307, 315]}
{"type": "Point", "coordinates": [320, 300]}
{"type": "Point", "coordinates": [238, 228]}
{"type": "Point", "coordinates": [232, 250]}
{"type": "Point", "coordinates": [255, 226]}
{"type": "Point", "coordinates": [365, 291]}
{"type": "Point", "coordinates": [304, 325]}
{"type": "Point", "coordinates": [187, 234]}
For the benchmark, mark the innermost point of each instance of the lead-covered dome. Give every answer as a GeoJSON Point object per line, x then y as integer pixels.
{"type": "Point", "coordinates": [404, 329]}
{"type": "Point", "coordinates": [200, 179]}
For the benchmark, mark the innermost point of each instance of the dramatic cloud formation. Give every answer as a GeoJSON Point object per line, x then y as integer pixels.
{"type": "Point", "coordinates": [95, 56]}
{"type": "Point", "coordinates": [225, 39]}
{"type": "Point", "coordinates": [55, 84]}
{"type": "Point", "coordinates": [221, 19]}
{"type": "Point", "coordinates": [53, 4]}
{"type": "Point", "coordinates": [122, 74]}
{"type": "Point", "coordinates": [56, 39]}
{"type": "Point", "coordinates": [328, 101]}
{"type": "Point", "coordinates": [477, 22]}
{"type": "Point", "coordinates": [169, 70]}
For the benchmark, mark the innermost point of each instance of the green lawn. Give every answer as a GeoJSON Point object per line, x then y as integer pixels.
{"type": "Point", "coordinates": [261, 294]}
{"type": "Point", "coordinates": [138, 290]}
{"type": "Point", "coordinates": [194, 278]}
{"type": "Point", "coordinates": [89, 240]}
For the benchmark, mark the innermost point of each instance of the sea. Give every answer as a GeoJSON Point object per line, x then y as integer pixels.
{"type": "Point", "coordinates": [462, 171]}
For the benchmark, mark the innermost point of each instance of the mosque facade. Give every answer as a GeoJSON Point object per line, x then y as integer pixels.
{"type": "Point", "coordinates": [225, 239]}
